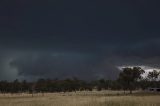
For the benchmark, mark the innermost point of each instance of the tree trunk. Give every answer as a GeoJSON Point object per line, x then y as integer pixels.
{"type": "Point", "coordinates": [130, 91]}
{"type": "Point", "coordinates": [124, 91]}
{"type": "Point", "coordinates": [32, 93]}
{"type": "Point", "coordinates": [42, 93]}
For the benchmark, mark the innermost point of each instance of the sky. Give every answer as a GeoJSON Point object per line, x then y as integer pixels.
{"type": "Point", "coordinates": [88, 39]}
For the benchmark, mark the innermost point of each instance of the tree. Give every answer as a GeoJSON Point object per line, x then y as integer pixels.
{"type": "Point", "coordinates": [16, 86]}
{"type": "Point", "coordinates": [129, 76]}
{"type": "Point", "coordinates": [24, 86]}
{"type": "Point", "coordinates": [153, 76]}
{"type": "Point", "coordinates": [41, 86]}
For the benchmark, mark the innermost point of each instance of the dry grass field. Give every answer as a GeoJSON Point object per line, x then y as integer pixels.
{"type": "Point", "coordinates": [94, 98]}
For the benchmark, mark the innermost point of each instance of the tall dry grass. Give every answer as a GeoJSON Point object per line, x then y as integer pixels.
{"type": "Point", "coordinates": [79, 99]}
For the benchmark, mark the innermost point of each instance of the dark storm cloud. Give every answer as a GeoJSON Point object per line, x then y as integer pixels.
{"type": "Point", "coordinates": [87, 39]}
{"type": "Point", "coordinates": [59, 17]}
{"type": "Point", "coordinates": [57, 65]}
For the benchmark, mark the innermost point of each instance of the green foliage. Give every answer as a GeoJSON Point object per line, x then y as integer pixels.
{"type": "Point", "coordinates": [153, 76]}
{"type": "Point", "coordinates": [129, 76]}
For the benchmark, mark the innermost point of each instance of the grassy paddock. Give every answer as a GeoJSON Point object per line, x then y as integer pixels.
{"type": "Point", "coordinates": [94, 98]}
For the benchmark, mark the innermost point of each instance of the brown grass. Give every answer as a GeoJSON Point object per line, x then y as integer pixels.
{"type": "Point", "coordinates": [103, 98]}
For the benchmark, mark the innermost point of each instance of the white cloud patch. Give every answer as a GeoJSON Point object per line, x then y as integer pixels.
{"type": "Point", "coordinates": [147, 69]}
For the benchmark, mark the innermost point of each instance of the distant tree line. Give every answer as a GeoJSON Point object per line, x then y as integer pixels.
{"type": "Point", "coordinates": [129, 79]}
